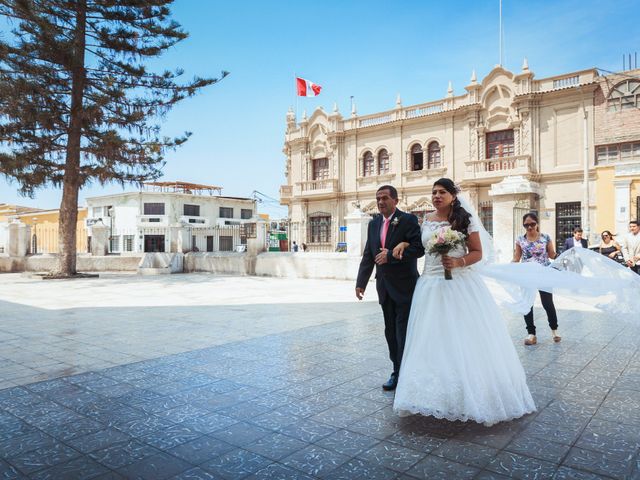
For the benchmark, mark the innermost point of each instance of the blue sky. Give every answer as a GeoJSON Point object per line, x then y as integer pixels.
{"type": "Point", "coordinates": [371, 49]}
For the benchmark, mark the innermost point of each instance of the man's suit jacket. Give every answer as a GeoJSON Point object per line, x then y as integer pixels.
{"type": "Point", "coordinates": [571, 242]}
{"type": "Point", "coordinates": [396, 278]}
{"type": "Point", "coordinates": [630, 247]}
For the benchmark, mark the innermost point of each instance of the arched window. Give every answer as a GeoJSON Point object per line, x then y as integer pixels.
{"type": "Point", "coordinates": [383, 162]}
{"type": "Point", "coordinates": [434, 159]}
{"type": "Point", "coordinates": [624, 95]}
{"type": "Point", "coordinates": [417, 160]}
{"type": "Point", "coordinates": [367, 164]}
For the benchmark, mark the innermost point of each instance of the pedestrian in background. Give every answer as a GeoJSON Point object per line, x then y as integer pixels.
{"type": "Point", "coordinates": [535, 246]}
{"type": "Point", "coordinates": [576, 240]}
{"type": "Point", "coordinates": [631, 247]}
{"type": "Point", "coordinates": [608, 246]}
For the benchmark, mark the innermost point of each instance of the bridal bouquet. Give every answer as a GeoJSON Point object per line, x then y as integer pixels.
{"type": "Point", "coordinates": [442, 241]}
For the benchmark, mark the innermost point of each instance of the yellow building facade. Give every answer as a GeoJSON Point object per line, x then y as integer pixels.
{"type": "Point", "coordinates": [617, 151]}
{"type": "Point", "coordinates": [43, 226]}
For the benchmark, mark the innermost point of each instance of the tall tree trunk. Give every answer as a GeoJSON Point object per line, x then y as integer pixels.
{"type": "Point", "coordinates": [71, 180]}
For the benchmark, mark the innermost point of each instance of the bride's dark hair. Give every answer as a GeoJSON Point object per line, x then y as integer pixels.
{"type": "Point", "coordinates": [459, 218]}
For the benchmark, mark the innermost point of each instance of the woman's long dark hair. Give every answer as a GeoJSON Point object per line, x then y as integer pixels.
{"type": "Point", "coordinates": [459, 218]}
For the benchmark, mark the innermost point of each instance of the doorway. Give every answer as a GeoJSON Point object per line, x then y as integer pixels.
{"type": "Point", "coordinates": [154, 243]}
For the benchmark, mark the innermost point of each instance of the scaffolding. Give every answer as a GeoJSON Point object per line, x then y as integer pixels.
{"type": "Point", "coordinates": [182, 187]}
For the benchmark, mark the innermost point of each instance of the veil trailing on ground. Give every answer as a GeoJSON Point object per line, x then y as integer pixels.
{"type": "Point", "coordinates": [579, 273]}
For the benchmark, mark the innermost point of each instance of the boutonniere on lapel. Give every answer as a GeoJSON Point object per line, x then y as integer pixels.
{"type": "Point", "coordinates": [395, 222]}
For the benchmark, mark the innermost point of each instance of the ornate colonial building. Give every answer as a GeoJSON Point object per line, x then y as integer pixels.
{"type": "Point", "coordinates": [514, 143]}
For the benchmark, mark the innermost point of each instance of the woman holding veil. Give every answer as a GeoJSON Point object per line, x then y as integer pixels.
{"type": "Point", "coordinates": [459, 361]}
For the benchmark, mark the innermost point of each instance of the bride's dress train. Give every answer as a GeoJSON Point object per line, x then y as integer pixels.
{"type": "Point", "coordinates": [459, 361]}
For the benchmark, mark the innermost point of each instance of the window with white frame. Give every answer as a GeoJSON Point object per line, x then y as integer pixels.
{"type": "Point", "coordinates": [191, 210]}
{"type": "Point", "coordinates": [153, 209]}
{"type": "Point", "coordinates": [246, 213]}
{"type": "Point", "coordinates": [128, 242]}
{"type": "Point", "coordinates": [620, 152]}
{"type": "Point", "coordinates": [226, 212]}
{"type": "Point", "coordinates": [114, 244]}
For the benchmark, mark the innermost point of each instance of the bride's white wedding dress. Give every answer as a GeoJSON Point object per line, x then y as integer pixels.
{"type": "Point", "coordinates": [459, 361]}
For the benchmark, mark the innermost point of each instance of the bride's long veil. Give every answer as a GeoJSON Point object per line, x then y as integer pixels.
{"type": "Point", "coordinates": [579, 273]}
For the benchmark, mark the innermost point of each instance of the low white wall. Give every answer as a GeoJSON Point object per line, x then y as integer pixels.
{"type": "Point", "coordinates": [337, 266]}
{"type": "Point", "coordinates": [12, 264]}
{"type": "Point", "coordinates": [85, 263]}
{"type": "Point", "coordinates": [219, 262]}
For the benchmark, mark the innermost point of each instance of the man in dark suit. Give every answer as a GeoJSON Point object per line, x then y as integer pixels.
{"type": "Point", "coordinates": [395, 279]}
{"type": "Point", "coordinates": [576, 240]}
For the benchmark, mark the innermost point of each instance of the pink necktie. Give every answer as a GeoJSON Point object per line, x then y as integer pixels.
{"type": "Point", "coordinates": [383, 232]}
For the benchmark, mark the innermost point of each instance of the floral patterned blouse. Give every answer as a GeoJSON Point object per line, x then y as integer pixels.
{"type": "Point", "coordinates": [535, 251]}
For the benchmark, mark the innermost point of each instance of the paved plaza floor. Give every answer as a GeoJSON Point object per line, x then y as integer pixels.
{"type": "Point", "coordinates": [210, 377]}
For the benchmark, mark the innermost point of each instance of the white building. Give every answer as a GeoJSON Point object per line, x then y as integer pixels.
{"type": "Point", "coordinates": [172, 217]}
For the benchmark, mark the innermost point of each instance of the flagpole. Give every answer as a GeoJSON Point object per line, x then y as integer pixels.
{"type": "Point", "coordinates": [295, 90]}
{"type": "Point", "coordinates": [500, 33]}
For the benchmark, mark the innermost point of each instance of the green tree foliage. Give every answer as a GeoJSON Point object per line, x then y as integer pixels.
{"type": "Point", "coordinates": [77, 102]}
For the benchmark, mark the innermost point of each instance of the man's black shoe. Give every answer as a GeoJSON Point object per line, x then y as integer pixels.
{"type": "Point", "coordinates": [392, 383]}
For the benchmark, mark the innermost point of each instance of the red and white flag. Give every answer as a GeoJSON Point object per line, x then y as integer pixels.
{"type": "Point", "coordinates": [307, 88]}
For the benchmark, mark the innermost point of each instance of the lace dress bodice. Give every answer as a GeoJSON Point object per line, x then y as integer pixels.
{"type": "Point", "coordinates": [433, 262]}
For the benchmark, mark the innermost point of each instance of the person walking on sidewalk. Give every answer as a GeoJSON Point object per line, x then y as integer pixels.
{"type": "Point", "coordinates": [535, 246]}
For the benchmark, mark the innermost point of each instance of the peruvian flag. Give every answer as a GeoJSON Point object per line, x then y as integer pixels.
{"type": "Point", "coordinates": [307, 88]}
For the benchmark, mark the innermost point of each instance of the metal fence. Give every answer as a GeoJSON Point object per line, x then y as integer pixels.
{"type": "Point", "coordinates": [320, 236]}
{"type": "Point", "coordinates": [130, 240]}
{"type": "Point", "coordinates": [228, 238]}
{"type": "Point", "coordinates": [44, 238]}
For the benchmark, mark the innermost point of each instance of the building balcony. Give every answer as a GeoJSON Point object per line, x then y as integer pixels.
{"type": "Point", "coordinates": [90, 222]}
{"type": "Point", "coordinates": [499, 167]}
{"type": "Point", "coordinates": [316, 188]}
{"type": "Point", "coordinates": [286, 192]}
{"type": "Point", "coordinates": [152, 220]}
{"type": "Point", "coordinates": [195, 221]}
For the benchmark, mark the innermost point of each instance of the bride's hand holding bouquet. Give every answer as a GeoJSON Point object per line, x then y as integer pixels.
{"type": "Point", "coordinates": [441, 242]}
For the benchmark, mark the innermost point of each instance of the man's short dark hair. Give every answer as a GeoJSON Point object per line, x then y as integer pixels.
{"type": "Point", "coordinates": [392, 190]}
{"type": "Point", "coordinates": [577, 229]}
{"type": "Point", "coordinates": [635, 222]}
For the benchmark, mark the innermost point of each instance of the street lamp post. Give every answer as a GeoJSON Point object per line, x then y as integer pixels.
{"type": "Point", "coordinates": [34, 237]}
{"type": "Point", "coordinates": [110, 213]}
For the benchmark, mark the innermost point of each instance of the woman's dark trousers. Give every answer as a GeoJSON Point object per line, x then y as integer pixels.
{"type": "Point", "coordinates": [547, 303]}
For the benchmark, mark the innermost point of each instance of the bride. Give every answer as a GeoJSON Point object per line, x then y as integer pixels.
{"type": "Point", "coordinates": [459, 361]}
